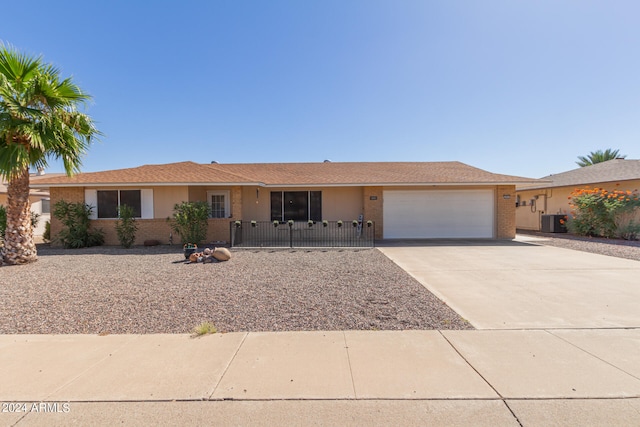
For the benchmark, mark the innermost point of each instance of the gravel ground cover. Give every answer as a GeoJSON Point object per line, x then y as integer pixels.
{"type": "Point", "coordinates": [629, 249]}
{"type": "Point", "coordinates": [151, 290]}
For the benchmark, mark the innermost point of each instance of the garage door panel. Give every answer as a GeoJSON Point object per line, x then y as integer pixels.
{"type": "Point", "coordinates": [438, 213]}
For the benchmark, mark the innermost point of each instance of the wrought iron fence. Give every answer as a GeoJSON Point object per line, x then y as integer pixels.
{"type": "Point", "coordinates": [265, 234]}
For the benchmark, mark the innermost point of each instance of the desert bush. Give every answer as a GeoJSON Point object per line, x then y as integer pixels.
{"type": "Point", "coordinates": [46, 236]}
{"type": "Point", "coordinates": [76, 226]}
{"type": "Point", "coordinates": [126, 226]}
{"type": "Point", "coordinates": [190, 220]}
{"type": "Point", "coordinates": [599, 212]}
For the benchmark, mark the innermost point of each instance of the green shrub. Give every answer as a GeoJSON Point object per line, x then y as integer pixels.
{"type": "Point", "coordinates": [76, 226]}
{"type": "Point", "coordinates": [126, 226]}
{"type": "Point", "coordinates": [190, 220]}
{"type": "Point", "coordinates": [46, 236]}
{"type": "Point", "coordinates": [204, 328]}
{"type": "Point", "coordinates": [599, 212]}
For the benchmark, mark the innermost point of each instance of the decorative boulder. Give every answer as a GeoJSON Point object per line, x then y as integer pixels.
{"type": "Point", "coordinates": [221, 254]}
{"type": "Point", "coordinates": [195, 257]}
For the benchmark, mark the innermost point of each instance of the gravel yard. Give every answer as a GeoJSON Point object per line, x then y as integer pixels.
{"type": "Point", "coordinates": [611, 247]}
{"type": "Point", "coordinates": [149, 290]}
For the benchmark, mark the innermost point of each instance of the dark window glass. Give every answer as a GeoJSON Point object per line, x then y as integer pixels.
{"type": "Point", "coordinates": [46, 206]}
{"type": "Point", "coordinates": [108, 204]}
{"type": "Point", "coordinates": [110, 200]}
{"type": "Point", "coordinates": [296, 205]}
{"type": "Point", "coordinates": [276, 206]}
{"type": "Point", "coordinates": [217, 206]}
{"type": "Point", "coordinates": [315, 204]}
{"type": "Point", "coordinates": [131, 198]}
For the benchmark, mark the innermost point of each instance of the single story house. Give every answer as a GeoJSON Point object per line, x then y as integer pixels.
{"type": "Point", "coordinates": [551, 194]}
{"type": "Point", "coordinates": [403, 199]}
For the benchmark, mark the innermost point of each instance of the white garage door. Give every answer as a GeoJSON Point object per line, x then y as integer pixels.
{"type": "Point", "coordinates": [415, 214]}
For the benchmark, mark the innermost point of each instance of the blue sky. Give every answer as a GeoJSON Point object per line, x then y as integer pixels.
{"type": "Point", "coordinates": [513, 87]}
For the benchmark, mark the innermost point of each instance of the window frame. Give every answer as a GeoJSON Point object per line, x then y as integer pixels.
{"type": "Point", "coordinates": [146, 201]}
{"type": "Point", "coordinates": [314, 213]}
{"type": "Point", "coordinates": [118, 203]}
{"type": "Point", "coordinates": [227, 203]}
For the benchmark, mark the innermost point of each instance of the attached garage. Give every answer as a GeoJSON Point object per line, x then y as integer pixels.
{"type": "Point", "coordinates": [424, 214]}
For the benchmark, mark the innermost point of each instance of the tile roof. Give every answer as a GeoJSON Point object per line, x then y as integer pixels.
{"type": "Point", "coordinates": [609, 171]}
{"type": "Point", "coordinates": [291, 174]}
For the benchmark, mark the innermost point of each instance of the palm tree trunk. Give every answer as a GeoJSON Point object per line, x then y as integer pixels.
{"type": "Point", "coordinates": [19, 247]}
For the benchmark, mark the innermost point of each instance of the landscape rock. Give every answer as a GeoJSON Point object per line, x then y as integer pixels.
{"type": "Point", "coordinates": [221, 254]}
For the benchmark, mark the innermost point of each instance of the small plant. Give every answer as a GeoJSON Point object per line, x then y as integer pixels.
{"type": "Point", "coordinates": [354, 222]}
{"type": "Point", "coordinates": [46, 236]}
{"type": "Point", "coordinates": [325, 223]}
{"type": "Point", "coordinates": [276, 223]}
{"type": "Point", "coordinates": [369, 223]}
{"type": "Point", "coordinates": [204, 328]}
{"type": "Point", "coordinates": [126, 226]}
{"type": "Point", "coordinates": [290, 223]}
{"type": "Point", "coordinates": [340, 223]}
{"type": "Point", "coordinates": [310, 222]}
{"type": "Point", "coordinates": [76, 226]}
{"type": "Point", "coordinates": [190, 220]}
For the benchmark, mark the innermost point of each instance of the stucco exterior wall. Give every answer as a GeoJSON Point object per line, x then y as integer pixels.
{"type": "Point", "coordinates": [535, 203]}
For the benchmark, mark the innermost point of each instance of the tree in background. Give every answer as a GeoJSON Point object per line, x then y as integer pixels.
{"type": "Point", "coordinates": [39, 121]}
{"type": "Point", "coordinates": [599, 157]}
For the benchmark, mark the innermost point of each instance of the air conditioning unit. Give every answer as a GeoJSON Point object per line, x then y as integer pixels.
{"type": "Point", "coordinates": [553, 224]}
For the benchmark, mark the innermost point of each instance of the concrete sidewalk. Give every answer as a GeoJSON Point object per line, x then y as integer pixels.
{"type": "Point", "coordinates": [516, 377]}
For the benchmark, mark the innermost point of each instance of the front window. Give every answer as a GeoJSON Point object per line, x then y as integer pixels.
{"type": "Point", "coordinates": [296, 205]}
{"type": "Point", "coordinates": [218, 204]}
{"type": "Point", "coordinates": [109, 202]}
{"type": "Point", "coordinates": [46, 206]}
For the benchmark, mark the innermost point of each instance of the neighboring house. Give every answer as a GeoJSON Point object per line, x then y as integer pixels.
{"type": "Point", "coordinates": [39, 198]}
{"type": "Point", "coordinates": [551, 194]}
{"type": "Point", "coordinates": [403, 199]}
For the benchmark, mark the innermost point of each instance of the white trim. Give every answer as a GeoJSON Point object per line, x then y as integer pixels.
{"type": "Point", "coordinates": [91, 199]}
{"type": "Point", "coordinates": [227, 201]}
{"type": "Point", "coordinates": [146, 203]}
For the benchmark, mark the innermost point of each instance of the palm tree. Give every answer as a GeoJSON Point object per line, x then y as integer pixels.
{"type": "Point", "coordinates": [599, 157]}
{"type": "Point", "coordinates": [39, 121]}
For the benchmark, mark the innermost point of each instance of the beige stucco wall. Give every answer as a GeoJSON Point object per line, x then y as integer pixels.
{"type": "Point", "coordinates": [555, 201]}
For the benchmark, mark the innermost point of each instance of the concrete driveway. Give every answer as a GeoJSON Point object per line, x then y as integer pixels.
{"type": "Point", "coordinates": [523, 285]}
